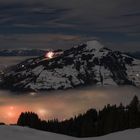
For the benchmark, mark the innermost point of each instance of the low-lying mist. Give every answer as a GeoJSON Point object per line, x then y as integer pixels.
{"type": "Point", "coordinates": [62, 104]}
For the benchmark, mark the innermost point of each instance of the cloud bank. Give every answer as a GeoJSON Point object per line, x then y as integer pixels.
{"type": "Point", "coordinates": [113, 21]}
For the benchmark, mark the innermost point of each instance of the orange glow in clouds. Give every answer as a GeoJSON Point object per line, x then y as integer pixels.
{"type": "Point", "coordinates": [11, 113]}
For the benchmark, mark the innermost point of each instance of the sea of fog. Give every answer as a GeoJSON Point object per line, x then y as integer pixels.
{"type": "Point", "coordinates": [60, 104]}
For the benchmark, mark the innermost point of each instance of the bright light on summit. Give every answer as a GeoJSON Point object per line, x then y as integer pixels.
{"type": "Point", "coordinates": [49, 55]}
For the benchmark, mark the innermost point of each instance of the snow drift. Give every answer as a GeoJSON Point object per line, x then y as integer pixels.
{"type": "Point", "coordinates": [23, 133]}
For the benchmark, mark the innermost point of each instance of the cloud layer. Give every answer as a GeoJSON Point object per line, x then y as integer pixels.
{"type": "Point", "coordinates": [113, 21]}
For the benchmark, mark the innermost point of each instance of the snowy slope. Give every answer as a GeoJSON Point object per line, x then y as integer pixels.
{"type": "Point", "coordinates": [20, 133]}
{"type": "Point", "coordinates": [88, 63]}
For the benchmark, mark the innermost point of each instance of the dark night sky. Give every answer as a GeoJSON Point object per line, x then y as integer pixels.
{"type": "Point", "coordinates": [61, 23]}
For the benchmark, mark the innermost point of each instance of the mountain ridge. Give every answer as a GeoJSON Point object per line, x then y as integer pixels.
{"type": "Point", "coordinates": [88, 63]}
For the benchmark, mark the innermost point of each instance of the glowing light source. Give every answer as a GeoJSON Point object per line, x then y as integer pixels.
{"type": "Point", "coordinates": [49, 55]}
{"type": "Point", "coordinates": [137, 74]}
{"type": "Point", "coordinates": [11, 108]}
{"type": "Point", "coordinates": [33, 93]}
{"type": "Point", "coordinates": [10, 114]}
{"type": "Point", "coordinates": [42, 112]}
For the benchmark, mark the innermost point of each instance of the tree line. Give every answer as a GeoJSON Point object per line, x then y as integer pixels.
{"type": "Point", "coordinates": [111, 118]}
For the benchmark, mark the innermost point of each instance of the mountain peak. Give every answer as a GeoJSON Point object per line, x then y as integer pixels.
{"type": "Point", "coordinates": [94, 45]}
{"type": "Point", "coordinates": [84, 65]}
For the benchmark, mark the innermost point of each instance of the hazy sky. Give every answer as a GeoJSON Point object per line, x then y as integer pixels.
{"type": "Point", "coordinates": [61, 23]}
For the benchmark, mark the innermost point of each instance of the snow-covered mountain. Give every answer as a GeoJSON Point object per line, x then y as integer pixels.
{"type": "Point", "coordinates": [89, 63]}
{"type": "Point", "coordinates": [23, 133]}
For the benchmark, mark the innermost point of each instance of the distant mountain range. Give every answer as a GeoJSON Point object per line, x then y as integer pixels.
{"type": "Point", "coordinates": [39, 52]}
{"type": "Point", "coordinates": [33, 52]}
{"type": "Point", "coordinates": [134, 54]}
{"type": "Point", "coordinates": [86, 64]}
